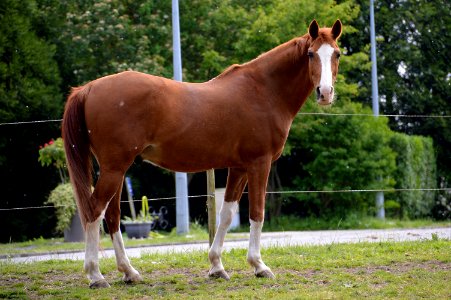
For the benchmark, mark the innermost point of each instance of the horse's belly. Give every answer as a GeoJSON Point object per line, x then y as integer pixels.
{"type": "Point", "coordinates": [186, 159]}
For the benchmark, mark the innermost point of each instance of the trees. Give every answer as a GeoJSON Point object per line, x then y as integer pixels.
{"type": "Point", "coordinates": [29, 90]}
{"type": "Point", "coordinates": [332, 153]}
{"type": "Point", "coordinates": [47, 46]}
{"type": "Point", "coordinates": [28, 72]}
{"type": "Point", "coordinates": [413, 67]}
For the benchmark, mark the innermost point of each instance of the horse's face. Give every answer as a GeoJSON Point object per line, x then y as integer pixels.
{"type": "Point", "coordinates": [324, 56]}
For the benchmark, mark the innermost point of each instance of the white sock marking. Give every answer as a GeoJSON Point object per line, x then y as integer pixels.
{"type": "Point", "coordinates": [91, 264]}
{"type": "Point", "coordinates": [253, 255]}
{"type": "Point", "coordinates": [123, 263]}
{"type": "Point", "coordinates": [225, 219]}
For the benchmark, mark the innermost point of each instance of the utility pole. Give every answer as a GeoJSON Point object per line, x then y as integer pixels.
{"type": "Point", "coordinates": [380, 210]}
{"type": "Point", "coordinates": [181, 181]}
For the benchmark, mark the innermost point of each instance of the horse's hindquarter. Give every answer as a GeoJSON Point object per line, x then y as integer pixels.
{"type": "Point", "coordinates": [179, 126]}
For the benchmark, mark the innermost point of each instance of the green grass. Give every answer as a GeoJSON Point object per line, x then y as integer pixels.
{"type": "Point", "coordinates": [287, 223]}
{"type": "Point", "coordinates": [403, 270]}
{"type": "Point", "coordinates": [41, 245]}
{"type": "Point", "coordinates": [200, 234]}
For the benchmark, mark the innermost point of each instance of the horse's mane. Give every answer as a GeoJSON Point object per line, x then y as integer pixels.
{"type": "Point", "coordinates": [296, 43]}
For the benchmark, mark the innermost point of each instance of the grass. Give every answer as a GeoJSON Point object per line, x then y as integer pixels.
{"type": "Point", "coordinates": [41, 245]}
{"type": "Point", "coordinates": [403, 270]}
{"type": "Point", "coordinates": [200, 234]}
{"type": "Point", "coordinates": [288, 223]}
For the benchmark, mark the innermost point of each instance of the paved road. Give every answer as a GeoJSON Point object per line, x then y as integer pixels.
{"type": "Point", "coordinates": [272, 239]}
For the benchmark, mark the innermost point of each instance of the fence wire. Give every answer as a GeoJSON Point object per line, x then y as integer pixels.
{"type": "Point", "coordinates": [299, 114]}
{"type": "Point", "coordinates": [269, 192]}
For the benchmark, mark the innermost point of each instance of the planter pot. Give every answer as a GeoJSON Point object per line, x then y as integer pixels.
{"type": "Point", "coordinates": [138, 230]}
{"type": "Point", "coordinates": [75, 231]}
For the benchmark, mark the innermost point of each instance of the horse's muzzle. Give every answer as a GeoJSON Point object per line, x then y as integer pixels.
{"type": "Point", "coordinates": [325, 95]}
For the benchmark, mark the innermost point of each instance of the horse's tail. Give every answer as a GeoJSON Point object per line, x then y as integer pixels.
{"type": "Point", "coordinates": [78, 153]}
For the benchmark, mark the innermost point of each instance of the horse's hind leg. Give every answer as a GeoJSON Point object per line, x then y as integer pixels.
{"type": "Point", "coordinates": [236, 182]}
{"type": "Point", "coordinates": [106, 188]}
{"type": "Point", "coordinates": [258, 179]}
{"type": "Point", "coordinates": [112, 218]}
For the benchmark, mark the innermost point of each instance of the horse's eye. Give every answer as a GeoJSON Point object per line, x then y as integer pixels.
{"type": "Point", "coordinates": [338, 55]}
{"type": "Point", "coordinates": [310, 54]}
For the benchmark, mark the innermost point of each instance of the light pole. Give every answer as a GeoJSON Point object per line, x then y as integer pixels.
{"type": "Point", "coordinates": [380, 210]}
{"type": "Point", "coordinates": [181, 181]}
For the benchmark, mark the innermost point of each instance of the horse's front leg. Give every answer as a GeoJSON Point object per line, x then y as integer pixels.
{"type": "Point", "coordinates": [236, 182]}
{"type": "Point", "coordinates": [258, 178]}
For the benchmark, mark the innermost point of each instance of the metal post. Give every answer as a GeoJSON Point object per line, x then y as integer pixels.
{"type": "Point", "coordinates": [211, 205]}
{"type": "Point", "coordinates": [128, 186]}
{"type": "Point", "coordinates": [380, 210]}
{"type": "Point", "coordinates": [181, 181]}
{"type": "Point", "coordinates": [374, 84]}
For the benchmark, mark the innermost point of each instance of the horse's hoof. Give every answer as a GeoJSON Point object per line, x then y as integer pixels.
{"type": "Point", "coordinates": [132, 278]}
{"type": "Point", "coordinates": [265, 274]}
{"type": "Point", "coordinates": [219, 274]}
{"type": "Point", "coordinates": [100, 284]}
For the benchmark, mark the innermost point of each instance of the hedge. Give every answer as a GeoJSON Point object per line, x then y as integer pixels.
{"type": "Point", "coordinates": [416, 169]}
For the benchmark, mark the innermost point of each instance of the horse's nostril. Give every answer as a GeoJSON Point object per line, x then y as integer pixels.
{"type": "Point", "coordinates": [318, 92]}
{"type": "Point", "coordinates": [331, 89]}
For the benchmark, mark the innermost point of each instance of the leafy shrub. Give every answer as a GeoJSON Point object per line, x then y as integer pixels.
{"type": "Point", "coordinates": [442, 208]}
{"type": "Point", "coordinates": [416, 169]}
{"type": "Point", "coordinates": [62, 197]}
{"type": "Point", "coordinates": [341, 152]}
{"type": "Point", "coordinates": [52, 153]}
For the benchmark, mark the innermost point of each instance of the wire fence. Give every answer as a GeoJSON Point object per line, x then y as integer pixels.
{"type": "Point", "coordinates": [269, 192]}
{"type": "Point", "coordinates": [299, 114]}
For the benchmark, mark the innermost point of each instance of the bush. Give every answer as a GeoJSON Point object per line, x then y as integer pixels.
{"type": "Point", "coordinates": [62, 197]}
{"type": "Point", "coordinates": [333, 153]}
{"type": "Point", "coordinates": [416, 169]}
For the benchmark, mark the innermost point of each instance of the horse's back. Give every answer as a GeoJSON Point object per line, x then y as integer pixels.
{"type": "Point", "coordinates": [180, 126]}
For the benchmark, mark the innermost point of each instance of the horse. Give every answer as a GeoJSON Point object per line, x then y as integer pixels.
{"type": "Point", "coordinates": [238, 120]}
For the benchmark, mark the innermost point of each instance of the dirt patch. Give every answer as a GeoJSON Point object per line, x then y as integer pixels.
{"type": "Point", "coordinates": [321, 278]}
{"type": "Point", "coordinates": [398, 268]}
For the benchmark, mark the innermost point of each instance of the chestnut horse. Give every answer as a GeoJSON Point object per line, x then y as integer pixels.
{"type": "Point", "coordinates": [239, 120]}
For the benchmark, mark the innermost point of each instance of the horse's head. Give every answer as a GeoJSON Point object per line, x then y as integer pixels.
{"type": "Point", "coordinates": [324, 55]}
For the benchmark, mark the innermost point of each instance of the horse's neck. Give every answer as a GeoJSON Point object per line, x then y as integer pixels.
{"type": "Point", "coordinates": [285, 70]}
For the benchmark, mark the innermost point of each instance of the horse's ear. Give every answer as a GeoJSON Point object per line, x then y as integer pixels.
{"type": "Point", "coordinates": [336, 29]}
{"type": "Point", "coordinates": [313, 29]}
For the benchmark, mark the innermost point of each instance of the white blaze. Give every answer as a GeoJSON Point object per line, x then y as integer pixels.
{"type": "Point", "coordinates": [325, 55]}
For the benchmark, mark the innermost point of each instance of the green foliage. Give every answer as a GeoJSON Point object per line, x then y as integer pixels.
{"type": "Point", "coordinates": [62, 197]}
{"type": "Point", "coordinates": [341, 153]}
{"type": "Point", "coordinates": [52, 153]}
{"type": "Point", "coordinates": [29, 77]}
{"type": "Point", "coordinates": [46, 46]}
{"type": "Point", "coordinates": [97, 38]}
{"type": "Point", "coordinates": [350, 221]}
{"type": "Point", "coordinates": [416, 169]}
{"type": "Point", "coordinates": [413, 66]}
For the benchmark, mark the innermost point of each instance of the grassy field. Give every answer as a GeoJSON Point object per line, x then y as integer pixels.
{"type": "Point", "coordinates": [200, 234]}
{"type": "Point", "coordinates": [197, 234]}
{"type": "Point", "coordinates": [405, 270]}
